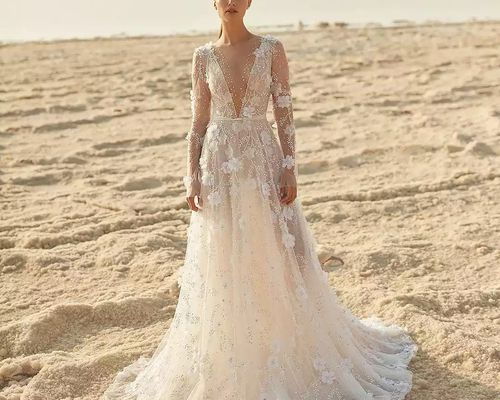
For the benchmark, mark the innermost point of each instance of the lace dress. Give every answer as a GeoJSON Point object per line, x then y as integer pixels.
{"type": "Point", "coordinates": [256, 318]}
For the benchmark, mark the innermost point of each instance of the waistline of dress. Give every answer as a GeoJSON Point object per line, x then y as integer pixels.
{"type": "Point", "coordinates": [253, 118]}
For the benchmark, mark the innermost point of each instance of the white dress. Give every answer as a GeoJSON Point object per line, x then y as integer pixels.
{"type": "Point", "coordinates": [256, 318]}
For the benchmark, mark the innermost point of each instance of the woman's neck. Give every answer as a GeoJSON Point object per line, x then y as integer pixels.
{"type": "Point", "coordinates": [233, 34]}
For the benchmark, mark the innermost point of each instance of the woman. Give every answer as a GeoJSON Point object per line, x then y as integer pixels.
{"type": "Point", "coordinates": [256, 318]}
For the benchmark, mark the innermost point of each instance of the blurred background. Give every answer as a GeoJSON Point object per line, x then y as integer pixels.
{"type": "Point", "coordinates": [22, 20]}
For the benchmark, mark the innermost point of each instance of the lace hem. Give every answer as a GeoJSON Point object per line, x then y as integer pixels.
{"type": "Point", "coordinates": [124, 386]}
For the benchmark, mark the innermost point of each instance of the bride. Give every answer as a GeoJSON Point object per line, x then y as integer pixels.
{"type": "Point", "coordinates": [256, 318]}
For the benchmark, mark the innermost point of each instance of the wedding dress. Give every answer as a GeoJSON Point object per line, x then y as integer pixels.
{"type": "Point", "coordinates": [256, 318]}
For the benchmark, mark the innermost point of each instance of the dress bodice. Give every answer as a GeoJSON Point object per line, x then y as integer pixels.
{"type": "Point", "coordinates": [252, 100]}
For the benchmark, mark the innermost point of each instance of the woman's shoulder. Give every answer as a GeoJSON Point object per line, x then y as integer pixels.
{"type": "Point", "coordinates": [203, 49]}
{"type": "Point", "coordinates": [274, 44]}
{"type": "Point", "coordinates": [270, 38]}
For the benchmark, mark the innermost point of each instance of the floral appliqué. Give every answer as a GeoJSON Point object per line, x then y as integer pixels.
{"type": "Point", "coordinates": [288, 239]}
{"type": "Point", "coordinates": [232, 165]}
{"type": "Point", "coordinates": [266, 139]}
{"type": "Point", "coordinates": [248, 111]}
{"type": "Point", "coordinates": [301, 292]}
{"type": "Point", "coordinates": [265, 189]}
{"type": "Point", "coordinates": [283, 101]}
{"type": "Point", "coordinates": [288, 162]}
{"type": "Point", "coordinates": [326, 374]}
{"type": "Point", "coordinates": [215, 198]}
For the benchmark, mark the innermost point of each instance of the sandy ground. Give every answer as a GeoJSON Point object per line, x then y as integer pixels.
{"type": "Point", "coordinates": [398, 135]}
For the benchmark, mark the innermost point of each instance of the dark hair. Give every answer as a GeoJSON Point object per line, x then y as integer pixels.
{"type": "Point", "coordinates": [220, 32]}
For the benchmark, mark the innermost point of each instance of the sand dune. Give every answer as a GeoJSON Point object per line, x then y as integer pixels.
{"type": "Point", "coordinates": [398, 133]}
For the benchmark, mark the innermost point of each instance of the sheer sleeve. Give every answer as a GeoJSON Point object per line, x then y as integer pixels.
{"type": "Point", "coordinates": [283, 110]}
{"type": "Point", "coordinates": [200, 117]}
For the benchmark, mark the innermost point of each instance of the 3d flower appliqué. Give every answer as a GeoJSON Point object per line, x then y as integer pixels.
{"type": "Point", "coordinates": [327, 376]}
{"type": "Point", "coordinates": [266, 190]}
{"type": "Point", "coordinates": [287, 212]}
{"type": "Point", "coordinates": [260, 51]}
{"type": "Point", "coordinates": [212, 128]}
{"type": "Point", "coordinates": [231, 165]}
{"type": "Point", "coordinates": [301, 292]}
{"type": "Point", "coordinates": [283, 101]}
{"type": "Point", "coordinates": [288, 239]}
{"type": "Point", "coordinates": [215, 198]}
{"type": "Point", "coordinates": [188, 180]}
{"type": "Point", "coordinates": [319, 363]}
{"type": "Point", "coordinates": [266, 139]}
{"type": "Point", "coordinates": [248, 111]}
{"type": "Point", "coordinates": [288, 162]}
{"type": "Point", "coordinates": [347, 363]}
{"type": "Point", "coordinates": [208, 179]}
{"type": "Point", "coordinates": [273, 362]}
{"type": "Point", "coordinates": [193, 100]}
{"type": "Point", "coordinates": [290, 130]}
{"type": "Point", "coordinates": [252, 183]}
{"type": "Point", "coordinates": [204, 162]}
{"type": "Point", "coordinates": [275, 87]}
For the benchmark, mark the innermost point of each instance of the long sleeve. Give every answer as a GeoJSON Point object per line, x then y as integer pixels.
{"type": "Point", "coordinates": [200, 117]}
{"type": "Point", "coordinates": [283, 110]}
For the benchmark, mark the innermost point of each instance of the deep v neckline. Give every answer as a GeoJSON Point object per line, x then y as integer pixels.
{"type": "Point", "coordinates": [250, 73]}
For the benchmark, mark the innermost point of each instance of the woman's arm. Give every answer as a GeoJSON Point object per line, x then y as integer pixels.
{"type": "Point", "coordinates": [283, 114]}
{"type": "Point", "coordinates": [200, 111]}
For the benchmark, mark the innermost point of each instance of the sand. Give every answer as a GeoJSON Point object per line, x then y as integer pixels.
{"type": "Point", "coordinates": [398, 136]}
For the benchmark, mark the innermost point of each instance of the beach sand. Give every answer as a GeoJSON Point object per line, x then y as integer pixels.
{"type": "Point", "coordinates": [398, 138]}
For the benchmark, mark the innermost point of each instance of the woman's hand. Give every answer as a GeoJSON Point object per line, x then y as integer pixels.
{"type": "Point", "coordinates": [193, 193]}
{"type": "Point", "coordinates": [288, 186]}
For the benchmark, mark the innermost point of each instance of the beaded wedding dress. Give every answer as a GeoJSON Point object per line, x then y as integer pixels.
{"type": "Point", "coordinates": [256, 318]}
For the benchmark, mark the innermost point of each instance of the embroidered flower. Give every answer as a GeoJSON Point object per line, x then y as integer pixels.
{"type": "Point", "coordinates": [347, 363]}
{"type": "Point", "coordinates": [288, 162]}
{"type": "Point", "coordinates": [250, 152]}
{"type": "Point", "coordinates": [192, 98]}
{"type": "Point", "coordinates": [287, 212]}
{"type": "Point", "coordinates": [283, 101]}
{"type": "Point", "coordinates": [266, 190]}
{"type": "Point", "coordinates": [204, 162]}
{"type": "Point", "coordinates": [283, 225]}
{"type": "Point", "coordinates": [319, 363]}
{"type": "Point", "coordinates": [273, 362]}
{"type": "Point", "coordinates": [260, 50]}
{"type": "Point", "coordinates": [327, 376]}
{"type": "Point", "coordinates": [266, 139]}
{"type": "Point", "coordinates": [213, 127]}
{"type": "Point", "coordinates": [248, 111]}
{"type": "Point", "coordinates": [275, 88]}
{"type": "Point", "coordinates": [208, 179]}
{"type": "Point", "coordinates": [214, 198]}
{"type": "Point", "coordinates": [288, 239]}
{"type": "Point", "coordinates": [301, 292]}
{"type": "Point", "coordinates": [252, 183]}
{"type": "Point", "coordinates": [233, 164]}
{"type": "Point", "coordinates": [188, 180]}
{"type": "Point", "coordinates": [290, 130]}
{"type": "Point", "coordinates": [196, 361]}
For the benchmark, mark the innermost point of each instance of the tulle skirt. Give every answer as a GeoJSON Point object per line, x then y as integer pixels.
{"type": "Point", "coordinates": [256, 318]}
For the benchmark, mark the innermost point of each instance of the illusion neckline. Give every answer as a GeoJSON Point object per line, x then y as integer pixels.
{"type": "Point", "coordinates": [261, 40]}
